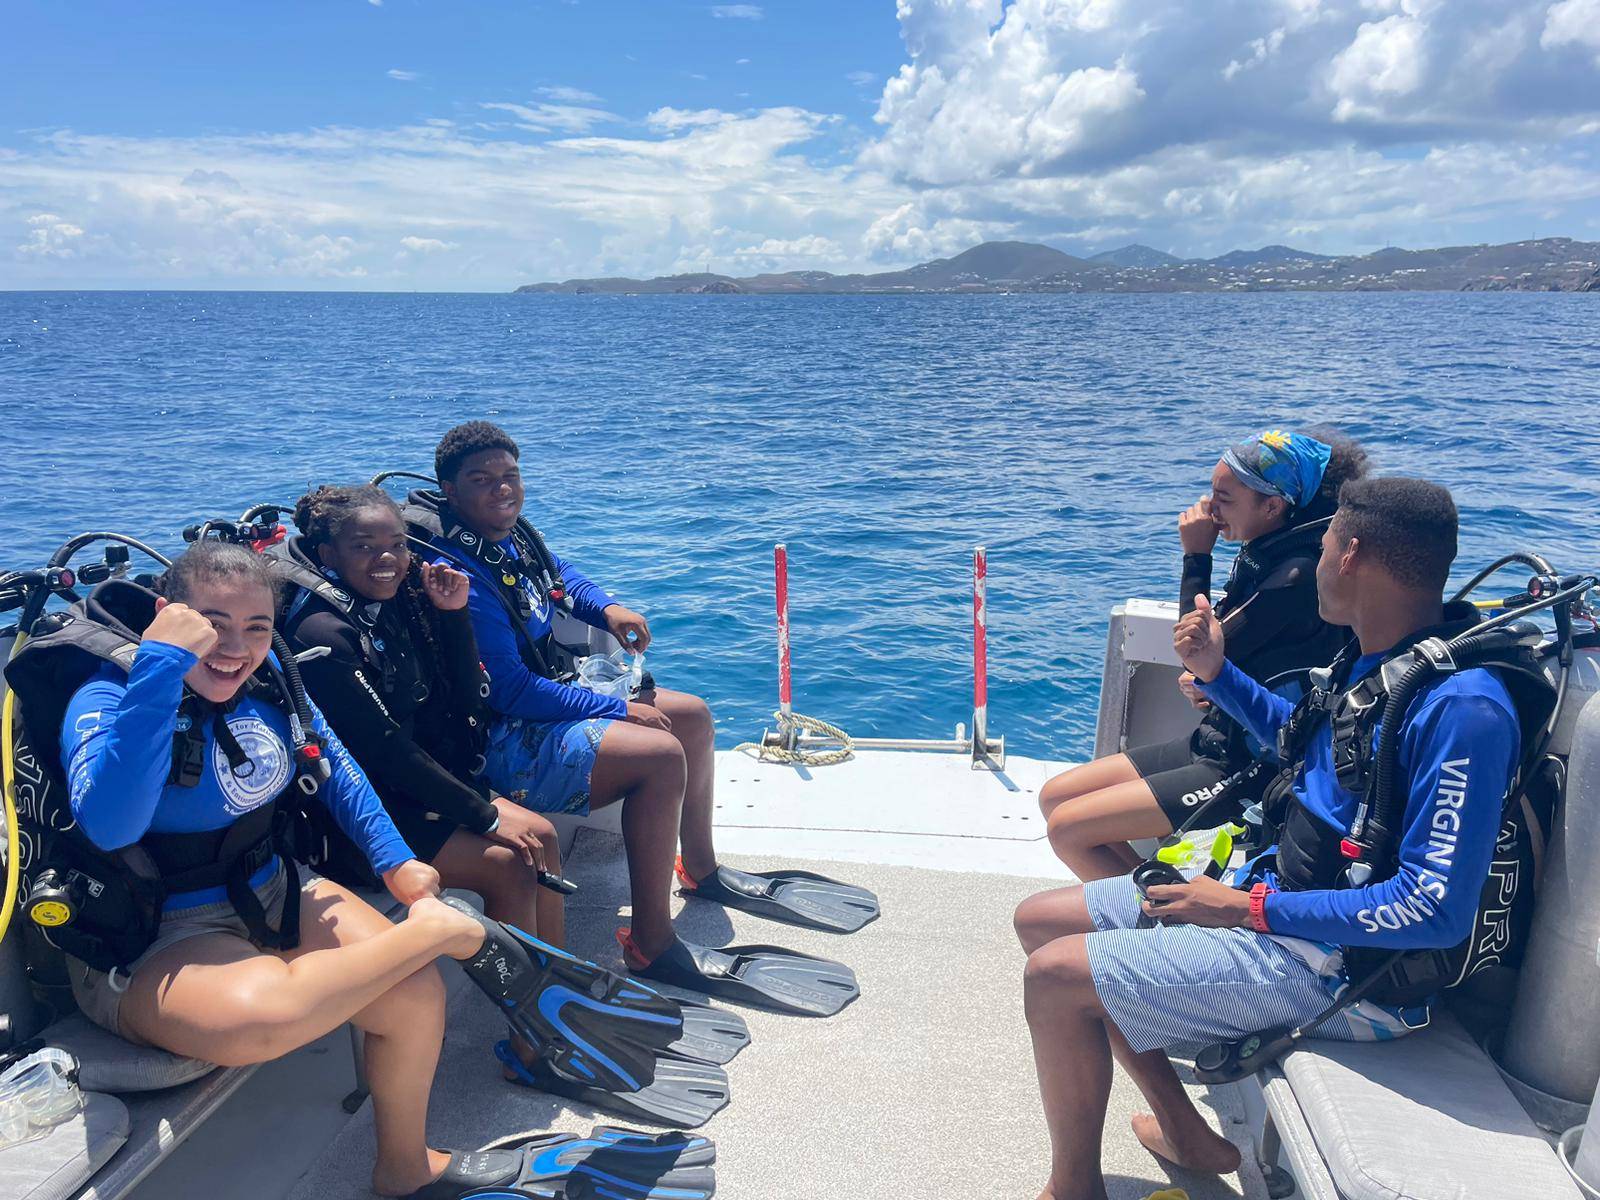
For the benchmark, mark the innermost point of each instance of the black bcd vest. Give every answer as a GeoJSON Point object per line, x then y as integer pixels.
{"type": "Point", "coordinates": [117, 895]}
{"type": "Point", "coordinates": [430, 517]}
{"type": "Point", "coordinates": [1312, 855]}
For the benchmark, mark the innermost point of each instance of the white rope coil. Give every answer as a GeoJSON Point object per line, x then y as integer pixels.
{"type": "Point", "coordinates": [797, 757]}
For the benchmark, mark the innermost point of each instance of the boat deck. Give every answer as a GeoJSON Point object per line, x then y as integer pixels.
{"type": "Point", "coordinates": [923, 1087]}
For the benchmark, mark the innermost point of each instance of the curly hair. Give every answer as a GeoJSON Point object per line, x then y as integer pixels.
{"type": "Point", "coordinates": [462, 442]}
{"type": "Point", "coordinates": [323, 512]}
{"type": "Point", "coordinates": [1347, 461]}
{"type": "Point", "coordinates": [1409, 526]}
{"type": "Point", "coordinates": [213, 561]}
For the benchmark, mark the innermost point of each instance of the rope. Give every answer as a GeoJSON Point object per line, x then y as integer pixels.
{"type": "Point", "coordinates": [802, 758]}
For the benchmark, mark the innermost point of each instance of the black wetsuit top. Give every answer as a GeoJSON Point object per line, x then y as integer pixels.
{"type": "Point", "coordinates": [1280, 630]}
{"type": "Point", "coordinates": [400, 723]}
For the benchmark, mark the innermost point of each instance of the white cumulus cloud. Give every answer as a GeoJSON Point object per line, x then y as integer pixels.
{"type": "Point", "coordinates": [402, 76]}
{"type": "Point", "coordinates": [51, 237]}
{"type": "Point", "coordinates": [1573, 22]}
{"type": "Point", "coordinates": [737, 12]}
{"type": "Point", "coordinates": [1386, 59]}
{"type": "Point", "coordinates": [1328, 124]}
{"type": "Point", "coordinates": [422, 245]}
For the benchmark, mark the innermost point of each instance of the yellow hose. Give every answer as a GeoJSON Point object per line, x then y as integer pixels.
{"type": "Point", "coordinates": [8, 785]}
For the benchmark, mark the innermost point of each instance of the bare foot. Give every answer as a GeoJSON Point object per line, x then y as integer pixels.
{"type": "Point", "coordinates": [1205, 1150]}
{"type": "Point", "coordinates": [396, 1183]}
{"type": "Point", "coordinates": [1095, 1191]}
{"type": "Point", "coordinates": [459, 935]}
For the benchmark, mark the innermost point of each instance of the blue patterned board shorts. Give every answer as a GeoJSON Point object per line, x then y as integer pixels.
{"type": "Point", "coordinates": [544, 766]}
{"type": "Point", "coordinates": [1174, 985]}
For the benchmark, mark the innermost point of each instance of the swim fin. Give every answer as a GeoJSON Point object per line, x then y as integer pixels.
{"type": "Point", "coordinates": [622, 1164]}
{"type": "Point", "coordinates": [613, 1163]}
{"type": "Point", "coordinates": [760, 976]}
{"type": "Point", "coordinates": [794, 897]}
{"type": "Point", "coordinates": [710, 1035]}
{"type": "Point", "coordinates": [682, 1094]}
{"type": "Point", "coordinates": [594, 1025]}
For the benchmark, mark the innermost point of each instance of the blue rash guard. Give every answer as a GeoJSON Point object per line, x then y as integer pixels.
{"type": "Point", "coordinates": [116, 746]}
{"type": "Point", "coordinates": [514, 689]}
{"type": "Point", "coordinates": [1458, 750]}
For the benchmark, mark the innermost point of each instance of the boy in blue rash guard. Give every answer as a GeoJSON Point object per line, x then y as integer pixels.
{"type": "Point", "coordinates": [205, 987]}
{"type": "Point", "coordinates": [558, 748]}
{"type": "Point", "coordinates": [1227, 961]}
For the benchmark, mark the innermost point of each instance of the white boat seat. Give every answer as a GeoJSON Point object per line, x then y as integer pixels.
{"type": "Point", "coordinates": [55, 1166]}
{"type": "Point", "coordinates": [107, 1063]}
{"type": "Point", "coordinates": [1423, 1118]}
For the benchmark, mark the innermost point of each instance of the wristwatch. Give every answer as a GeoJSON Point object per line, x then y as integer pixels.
{"type": "Point", "coordinates": [1258, 908]}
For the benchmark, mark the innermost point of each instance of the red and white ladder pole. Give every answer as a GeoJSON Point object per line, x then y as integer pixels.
{"type": "Point", "coordinates": [985, 753]}
{"type": "Point", "coordinates": [780, 566]}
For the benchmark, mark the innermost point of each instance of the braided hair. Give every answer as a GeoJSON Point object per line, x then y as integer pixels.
{"type": "Point", "coordinates": [322, 513]}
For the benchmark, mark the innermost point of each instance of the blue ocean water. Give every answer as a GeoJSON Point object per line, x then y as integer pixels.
{"type": "Point", "coordinates": [670, 441]}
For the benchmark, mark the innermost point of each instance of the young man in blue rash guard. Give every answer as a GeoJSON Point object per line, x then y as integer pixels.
{"type": "Point", "coordinates": [206, 986]}
{"type": "Point", "coordinates": [558, 748]}
{"type": "Point", "coordinates": [1227, 961]}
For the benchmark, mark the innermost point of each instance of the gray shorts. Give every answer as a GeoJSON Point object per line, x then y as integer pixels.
{"type": "Point", "coordinates": [99, 995]}
{"type": "Point", "coordinates": [1174, 985]}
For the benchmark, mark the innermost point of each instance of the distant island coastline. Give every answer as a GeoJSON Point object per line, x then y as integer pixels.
{"type": "Point", "coordinates": [1554, 264]}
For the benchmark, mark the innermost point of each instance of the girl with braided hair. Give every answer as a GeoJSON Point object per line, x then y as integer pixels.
{"type": "Point", "coordinates": [401, 684]}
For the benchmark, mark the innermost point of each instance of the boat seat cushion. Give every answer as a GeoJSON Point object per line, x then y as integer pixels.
{"type": "Point", "coordinates": [1426, 1117]}
{"type": "Point", "coordinates": [58, 1164]}
{"type": "Point", "coordinates": [108, 1063]}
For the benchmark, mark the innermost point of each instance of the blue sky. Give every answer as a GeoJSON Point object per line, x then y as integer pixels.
{"type": "Point", "coordinates": [458, 145]}
{"type": "Point", "coordinates": [183, 67]}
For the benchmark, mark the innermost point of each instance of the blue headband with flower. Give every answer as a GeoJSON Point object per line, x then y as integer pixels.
{"type": "Point", "coordinates": [1290, 465]}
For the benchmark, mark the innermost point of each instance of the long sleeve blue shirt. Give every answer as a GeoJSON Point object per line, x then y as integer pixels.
{"type": "Point", "coordinates": [1458, 749]}
{"type": "Point", "coordinates": [116, 746]}
{"type": "Point", "coordinates": [514, 689]}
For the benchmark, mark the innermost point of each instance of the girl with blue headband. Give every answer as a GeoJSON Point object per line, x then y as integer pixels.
{"type": "Point", "coordinates": [1274, 494]}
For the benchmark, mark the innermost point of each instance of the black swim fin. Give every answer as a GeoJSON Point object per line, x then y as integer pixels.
{"type": "Point", "coordinates": [794, 897]}
{"type": "Point", "coordinates": [682, 1094]}
{"type": "Point", "coordinates": [593, 1024]}
{"type": "Point", "coordinates": [711, 1035]}
{"type": "Point", "coordinates": [760, 976]}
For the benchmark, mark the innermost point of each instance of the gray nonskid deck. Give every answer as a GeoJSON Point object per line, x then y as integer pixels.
{"type": "Point", "coordinates": [923, 1087]}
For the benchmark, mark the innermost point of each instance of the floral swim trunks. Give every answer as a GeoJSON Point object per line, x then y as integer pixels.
{"type": "Point", "coordinates": [544, 766]}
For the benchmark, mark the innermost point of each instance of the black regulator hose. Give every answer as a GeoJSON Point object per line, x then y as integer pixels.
{"type": "Point", "coordinates": [34, 608]}
{"type": "Point", "coordinates": [312, 768]}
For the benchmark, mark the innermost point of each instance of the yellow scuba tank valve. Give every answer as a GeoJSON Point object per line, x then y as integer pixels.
{"type": "Point", "coordinates": [51, 901]}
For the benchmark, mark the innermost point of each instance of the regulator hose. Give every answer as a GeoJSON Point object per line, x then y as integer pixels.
{"type": "Point", "coordinates": [8, 785]}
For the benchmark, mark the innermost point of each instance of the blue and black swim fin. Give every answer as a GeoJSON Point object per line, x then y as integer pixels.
{"type": "Point", "coordinates": [592, 1024]}
{"type": "Point", "coordinates": [681, 1094]}
{"type": "Point", "coordinates": [609, 1164]}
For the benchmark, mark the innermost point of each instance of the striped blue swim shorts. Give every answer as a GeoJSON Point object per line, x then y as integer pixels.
{"type": "Point", "coordinates": [1174, 985]}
